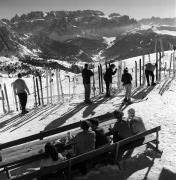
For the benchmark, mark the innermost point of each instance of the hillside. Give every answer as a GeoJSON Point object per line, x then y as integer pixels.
{"type": "Point", "coordinates": [75, 36]}
{"type": "Point", "coordinates": [158, 109]}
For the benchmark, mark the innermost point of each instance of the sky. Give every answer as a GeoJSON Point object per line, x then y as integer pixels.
{"type": "Point", "coordinates": [137, 9]}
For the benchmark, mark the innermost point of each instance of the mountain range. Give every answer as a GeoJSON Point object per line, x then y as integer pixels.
{"type": "Point", "coordinates": [80, 35]}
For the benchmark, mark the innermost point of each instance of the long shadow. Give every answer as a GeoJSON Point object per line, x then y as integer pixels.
{"type": "Point", "coordinates": [167, 175]}
{"type": "Point", "coordinates": [61, 120]}
{"type": "Point", "coordinates": [138, 95]}
{"type": "Point", "coordinates": [165, 86]}
{"type": "Point", "coordinates": [142, 93]}
{"type": "Point", "coordinates": [51, 110]}
{"type": "Point", "coordinates": [138, 162]}
{"type": "Point", "coordinates": [14, 121]}
{"type": "Point", "coordinates": [90, 109]}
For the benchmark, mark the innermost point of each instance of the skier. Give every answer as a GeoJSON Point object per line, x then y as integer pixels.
{"type": "Point", "coordinates": [86, 74]}
{"type": "Point", "coordinates": [126, 80]}
{"type": "Point", "coordinates": [20, 89]}
{"type": "Point", "coordinates": [149, 69]}
{"type": "Point", "coordinates": [108, 79]}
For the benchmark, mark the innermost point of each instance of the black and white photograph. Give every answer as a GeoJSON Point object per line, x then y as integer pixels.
{"type": "Point", "coordinates": [87, 90]}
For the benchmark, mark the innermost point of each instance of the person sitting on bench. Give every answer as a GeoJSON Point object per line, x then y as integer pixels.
{"type": "Point", "coordinates": [85, 140]}
{"type": "Point", "coordinates": [51, 156]}
{"type": "Point", "coordinates": [136, 123]}
{"type": "Point", "coordinates": [136, 126]}
{"type": "Point", "coordinates": [121, 128]}
{"type": "Point", "coordinates": [126, 127]}
{"type": "Point", "coordinates": [101, 138]}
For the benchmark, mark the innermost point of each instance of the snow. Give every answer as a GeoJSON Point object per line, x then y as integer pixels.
{"type": "Point", "coordinates": [171, 33]}
{"type": "Point", "coordinates": [44, 14]}
{"type": "Point", "coordinates": [105, 16]}
{"type": "Point", "coordinates": [157, 110]}
{"type": "Point", "coordinates": [156, 30]}
{"type": "Point", "coordinates": [109, 41]}
{"type": "Point", "coordinates": [25, 51]}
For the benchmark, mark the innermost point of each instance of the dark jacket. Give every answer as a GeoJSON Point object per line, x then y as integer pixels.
{"type": "Point", "coordinates": [108, 75]}
{"type": "Point", "coordinates": [150, 67]}
{"type": "Point", "coordinates": [86, 74]}
{"type": "Point", "coordinates": [101, 138]}
{"type": "Point", "coordinates": [126, 78]}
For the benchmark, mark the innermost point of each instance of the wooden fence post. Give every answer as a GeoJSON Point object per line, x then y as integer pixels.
{"type": "Point", "coordinates": [140, 70]}
{"type": "Point", "coordinates": [116, 151]}
{"type": "Point", "coordinates": [157, 66]}
{"type": "Point", "coordinates": [143, 68]}
{"type": "Point", "coordinates": [160, 66]}
{"type": "Point", "coordinates": [136, 73]}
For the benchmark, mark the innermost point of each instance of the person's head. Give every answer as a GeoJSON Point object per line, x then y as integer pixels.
{"type": "Point", "coordinates": [94, 123]}
{"type": "Point", "coordinates": [125, 70]}
{"type": "Point", "coordinates": [118, 114]}
{"type": "Point", "coordinates": [19, 75]}
{"type": "Point", "coordinates": [60, 146]}
{"type": "Point", "coordinates": [50, 151]}
{"type": "Point", "coordinates": [112, 66]}
{"type": "Point", "coordinates": [85, 125]}
{"type": "Point", "coordinates": [86, 66]}
{"type": "Point", "coordinates": [131, 113]}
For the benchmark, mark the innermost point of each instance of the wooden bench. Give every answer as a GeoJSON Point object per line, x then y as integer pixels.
{"type": "Point", "coordinates": [68, 165]}
{"type": "Point", "coordinates": [44, 134]}
{"type": "Point", "coordinates": [10, 165]}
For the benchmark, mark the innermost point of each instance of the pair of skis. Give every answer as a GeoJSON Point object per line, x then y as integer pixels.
{"type": "Point", "coordinates": [100, 78]}
{"type": "Point", "coordinates": [38, 90]}
{"type": "Point", "coordinates": [4, 98]}
{"type": "Point", "coordinates": [50, 86]}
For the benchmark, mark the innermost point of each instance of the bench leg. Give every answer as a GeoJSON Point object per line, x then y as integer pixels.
{"type": "Point", "coordinates": [150, 145]}
{"type": "Point", "coordinates": [8, 173]}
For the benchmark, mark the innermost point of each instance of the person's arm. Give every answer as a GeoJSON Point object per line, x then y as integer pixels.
{"type": "Point", "coordinates": [114, 71]}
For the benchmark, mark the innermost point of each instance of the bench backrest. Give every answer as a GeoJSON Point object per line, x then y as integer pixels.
{"type": "Point", "coordinates": [43, 134]}
{"type": "Point", "coordinates": [87, 156]}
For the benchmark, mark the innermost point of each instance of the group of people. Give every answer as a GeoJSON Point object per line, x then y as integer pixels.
{"type": "Point", "coordinates": [92, 137]}
{"type": "Point", "coordinates": [96, 137]}
{"type": "Point", "coordinates": [126, 80]}
{"type": "Point", "coordinates": [21, 89]}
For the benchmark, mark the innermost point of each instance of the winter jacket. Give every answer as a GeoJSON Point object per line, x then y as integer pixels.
{"type": "Point", "coordinates": [108, 75]}
{"type": "Point", "coordinates": [86, 74]}
{"type": "Point", "coordinates": [101, 138]}
{"type": "Point", "coordinates": [126, 78]}
{"type": "Point", "coordinates": [149, 67]}
{"type": "Point", "coordinates": [85, 141]}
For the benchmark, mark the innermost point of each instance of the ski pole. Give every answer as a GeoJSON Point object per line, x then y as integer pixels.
{"type": "Point", "coordinates": [6, 96]}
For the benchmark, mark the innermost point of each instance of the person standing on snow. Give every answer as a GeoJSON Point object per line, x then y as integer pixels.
{"type": "Point", "coordinates": [126, 80]}
{"type": "Point", "coordinates": [86, 74]}
{"type": "Point", "coordinates": [108, 79]}
{"type": "Point", "coordinates": [21, 89]}
{"type": "Point", "coordinates": [149, 69]}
